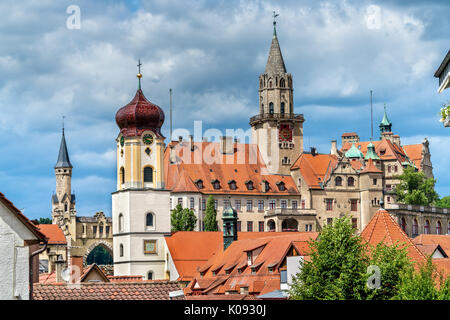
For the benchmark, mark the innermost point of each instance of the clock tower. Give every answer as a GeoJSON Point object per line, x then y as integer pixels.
{"type": "Point", "coordinates": [276, 130]}
{"type": "Point", "coordinates": [140, 205]}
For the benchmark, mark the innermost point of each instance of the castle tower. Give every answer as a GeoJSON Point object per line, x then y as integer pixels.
{"type": "Point", "coordinates": [63, 202]}
{"type": "Point", "coordinates": [140, 206]}
{"type": "Point", "coordinates": [276, 130]}
{"type": "Point", "coordinates": [371, 188]}
{"type": "Point", "coordinates": [229, 217]}
{"type": "Point", "coordinates": [385, 124]}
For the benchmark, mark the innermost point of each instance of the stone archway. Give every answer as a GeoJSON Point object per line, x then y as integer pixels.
{"type": "Point", "coordinates": [271, 225]}
{"type": "Point", "coordinates": [102, 243]}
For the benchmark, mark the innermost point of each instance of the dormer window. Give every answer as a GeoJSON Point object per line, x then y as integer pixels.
{"type": "Point", "coordinates": [199, 183]}
{"type": "Point", "coordinates": [281, 186]}
{"type": "Point", "coordinates": [216, 184]}
{"type": "Point", "coordinates": [266, 186]}
{"type": "Point", "coordinates": [232, 184]}
{"type": "Point", "coordinates": [249, 184]}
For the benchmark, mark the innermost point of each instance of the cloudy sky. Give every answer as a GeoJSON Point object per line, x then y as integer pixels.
{"type": "Point", "coordinates": [210, 53]}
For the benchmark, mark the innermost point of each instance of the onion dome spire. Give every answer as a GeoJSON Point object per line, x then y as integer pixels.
{"type": "Point", "coordinates": [140, 115]}
{"type": "Point", "coordinates": [63, 156]}
{"type": "Point", "coordinates": [371, 154]}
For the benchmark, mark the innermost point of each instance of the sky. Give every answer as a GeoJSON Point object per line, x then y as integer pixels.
{"type": "Point", "coordinates": [210, 53]}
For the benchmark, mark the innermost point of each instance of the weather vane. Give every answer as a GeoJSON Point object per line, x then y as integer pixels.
{"type": "Point", "coordinates": [139, 75]}
{"type": "Point", "coordinates": [274, 15]}
{"type": "Point", "coordinates": [63, 123]}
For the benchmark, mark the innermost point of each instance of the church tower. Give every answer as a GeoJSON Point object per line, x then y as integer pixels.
{"type": "Point", "coordinates": [276, 130]}
{"type": "Point", "coordinates": [385, 124]}
{"type": "Point", "coordinates": [63, 202]}
{"type": "Point", "coordinates": [140, 206]}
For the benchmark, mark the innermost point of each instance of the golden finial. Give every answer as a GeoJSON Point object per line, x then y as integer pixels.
{"type": "Point", "coordinates": [139, 75]}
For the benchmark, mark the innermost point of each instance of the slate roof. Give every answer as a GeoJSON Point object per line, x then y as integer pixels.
{"type": "Point", "coordinates": [63, 156]}
{"type": "Point", "coordinates": [143, 290]}
{"type": "Point", "coordinates": [275, 62]}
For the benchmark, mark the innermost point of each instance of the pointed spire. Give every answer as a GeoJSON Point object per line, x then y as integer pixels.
{"type": "Point", "coordinates": [371, 153]}
{"type": "Point", "coordinates": [275, 62]}
{"type": "Point", "coordinates": [63, 157]}
{"type": "Point", "coordinates": [385, 120]}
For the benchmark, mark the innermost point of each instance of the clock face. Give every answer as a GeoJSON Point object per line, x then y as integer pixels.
{"type": "Point", "coordinates": [147, 138]}
{"type": "Point", "coordinates": [285, 133]}
{"type": "Point", "coordinates": [122, 141]}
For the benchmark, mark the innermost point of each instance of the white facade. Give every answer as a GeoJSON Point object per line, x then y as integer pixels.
{"type": "Point", "coordinates": [130, 232]}
{"type": "Point", "coordinates": [15, 255]}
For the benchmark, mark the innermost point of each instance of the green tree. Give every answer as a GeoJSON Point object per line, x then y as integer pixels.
{"type": "Point", "coordinates": [210, 215]}
{"type": "Point", "coordinates": [45, 221]}
{"type": "Point", "coordinates": [444, 202]}
{"type": "Point", "coordinates": [426, 284]}
{"type": "Point", "coordinates": [100, 256]}
{"type": "Point", "coordinates": [338, 266]}
{"type": "Point", "coordinates": [182, 219]}
{"type": "Point", "coordinates": [415, 188]}
{"type": "Point", "coordinates": [393, 262]}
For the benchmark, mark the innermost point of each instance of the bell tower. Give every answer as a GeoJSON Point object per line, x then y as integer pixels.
{"type": "Point", "coordinates": [276, 130]}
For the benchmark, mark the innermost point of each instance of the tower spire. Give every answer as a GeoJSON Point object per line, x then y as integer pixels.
{"type": "Point", "coordinates": [274, 15]}
{"type": "Point", "coordinates": [139, 75]}
{"type": "Point", "coordinates": [63, 156]}
{"type": "Point", "coordinates": [275, 62]}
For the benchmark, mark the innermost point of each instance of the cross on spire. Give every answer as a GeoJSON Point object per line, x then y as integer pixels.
{"type": "Point", "coordinates": [139, 75]}
{"type": "Point", "coordinates": [274, 15]}
{"type": "Point", "coordinates": [63, 123]}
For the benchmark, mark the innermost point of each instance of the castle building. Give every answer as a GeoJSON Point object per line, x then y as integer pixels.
{"type": "Point", "coordinates": [270, 184]}
{"type": "Point", "coordinates": [82, 233]}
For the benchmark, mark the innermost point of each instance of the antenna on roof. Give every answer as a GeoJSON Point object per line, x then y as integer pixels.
{"type": "Point", "coordinates": [371, 117]}
{"type": "Point", "coordinates": [170, 93]}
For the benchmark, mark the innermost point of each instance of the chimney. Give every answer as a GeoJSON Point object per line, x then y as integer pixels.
{"type": "Point", "coordinates": [333, 150]}
{"type": "Point", "coordinates": [59, 264]}
{"type": "Point", "coordinates": [172, 155]}
{"type": "Point", "coordinates": [313, 151]}
{"type": "Point", "coordinates": [191, 142]}
{"type": "Point", "coordinates": [180, 139]}
{"type": "Point", "coordinates": [244, 290]}
{"type": "Point", "coordinates": [226, 145]}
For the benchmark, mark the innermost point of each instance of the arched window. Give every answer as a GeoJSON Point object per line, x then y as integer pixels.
{"type": "Point", "coordinates": [415, 227]}
{"type": "Point", "coordinates": [338, 181]}
{"type": "Point", "coordinates": [403, 224]}
{"type": "Point", "coordinates": [426, 227]}
{"type": "Point", "coordinates": [271, 110]}
{"type": "Point", "coordinates": [270, 84]}
{"type": "Point", "coordinates": [122, 175]}
{"type": "Point", "coordinates": [150, 275]}
{"type": "Point", "coordinates": [121, 250]}
{"type": "Point", "coordinates": [282, 108]}
{"type": "Point", "coordinates": [216, 184]}
{"type": "Point", "coordinates": [282, 83]}
{"type": "Point", "coordinates": [148, 174]}
{"type": "Point", "coordinates": [65, 207]}
{"type": "Point", "coordinates": [438, 227]}
{"type": "Point", "coordinates": [149, 220]}
{"type": "Point", "coordinates": [249, 185]}
{"type": "Point", "coordinates": [232, 185]}
{"type": "Point", "coordinates": [120, 222]}
{"type": "Point", "coordinates": [351, 181]}
{"type": "Point", "coordinates": [100, 228]}
{"type": "Point", "coordinates": [261, 83]}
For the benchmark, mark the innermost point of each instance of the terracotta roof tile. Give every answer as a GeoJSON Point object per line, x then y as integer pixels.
{"type": "Point", "coordinates": [434, 239]}
{"type": "Point", "coordinates": [383, 228]}
{"type": "Point", "coordinates": [314, 168]}
{"type": "Point", "coordinates": [53, 232]}
{"type": "Point", "coordinates": [143, 290]}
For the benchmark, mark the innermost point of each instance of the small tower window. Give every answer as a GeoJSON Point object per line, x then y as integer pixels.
{"type": "Point", "coordinates": [282, 108]}
{"type": "Point", "coordinates": [148, 174]}
{"type": "Point", "coordinates": [282, 83]}
{"type": "Point", "coordinates": [271, 110]}
{"type": "Point", "coordinates": [122, 175]}
{"type": "Point", "coordinates": [120, 222]}
{"type": "Point", "coordinates": [65, 207]}
{"type": "Point", "coordinates": [150, 275]}
{"type": "Point", "coordinates": [100, 228]}
{"type": "Point", "coordinates": [149, 220]}
{"type": "Point", "coordinates": [121, 250]}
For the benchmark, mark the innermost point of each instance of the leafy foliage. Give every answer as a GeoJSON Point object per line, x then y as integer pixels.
{"type": "Point", "coordinates": [393, 261]}
{"type": "Point", "coordinates": [45, 221]}
{"type": "Point", "coordinates": [422, 285]}
{"type": "Point", "coordinates": [338, 266]}
{"type": "Point", "coordinates": [415, 188]}
{"type": "Point", "coordinates": [100, 256]}
{"type": "Point", "coordinates": [444, 202]}
{"type": "Point", "coordinates": [210, 215]}
{"type": "Point", "coordinates": [182, 219]}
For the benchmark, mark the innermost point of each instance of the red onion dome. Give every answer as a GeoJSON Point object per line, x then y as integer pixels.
{"type": "Point", "coordinates": [138, 116]}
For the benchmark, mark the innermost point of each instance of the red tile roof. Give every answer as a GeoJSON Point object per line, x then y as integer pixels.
{"type": "Point", "coordinates": [434, 239]}
{"type": "Point", "coordinates": [28, 224]}
{"type": "Point", "coordinates": [383, 228]}
{"type": "Point", "coordinates": [53, 232]}
{"type": "Point", "coordinates": [245, 164]}
{"type": "Point", "coordinates": [93, 268]}
{"type": "Point", "coordinates": [371, 168]}
{"type": "Point", "coordinates": [191, 249]}
{"type": "Point", "coordinates": [272, 251]}
{"type": "Point", "coordinates": [443, 265]}
{"type": "Point", "coordinates": [349, 134]}
{"type": "Point", "coordinates": [144, 290]}
{"type": "Point", "coordinates": [125, 278]}
{"type": "Point", "coordinates": [313, 168]}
